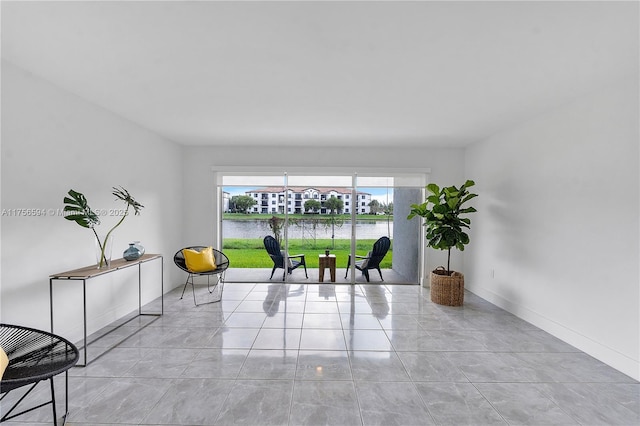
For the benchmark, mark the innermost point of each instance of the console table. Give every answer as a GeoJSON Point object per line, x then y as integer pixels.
{"type": "Point", "coordinates": [89, 272]}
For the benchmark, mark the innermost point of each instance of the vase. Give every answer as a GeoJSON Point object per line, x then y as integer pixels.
{"type": "Point", "coordinates": [132, 253]}
{"type": "Point", "coordinates": [103, 246]}
{"type": "Point", "coordinates": [446, 289]}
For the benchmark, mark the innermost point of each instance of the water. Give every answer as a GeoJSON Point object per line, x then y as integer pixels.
{"type": "Point", "coordinates": [259, 228]}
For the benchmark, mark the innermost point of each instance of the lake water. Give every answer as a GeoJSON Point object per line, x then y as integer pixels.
{"type": "Point", "coordinates": [260, 228]}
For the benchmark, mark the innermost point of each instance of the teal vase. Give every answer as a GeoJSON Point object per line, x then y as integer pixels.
{"type": "Point", "coordinates": [132, 253]}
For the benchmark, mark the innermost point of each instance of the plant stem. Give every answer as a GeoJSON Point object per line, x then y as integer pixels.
{"type": "Point", "coordinates": [448, 260]}
{"type": "Point", "coordinates": [106, 239]}
{"type": "Point", "coordinates": [101, 248]}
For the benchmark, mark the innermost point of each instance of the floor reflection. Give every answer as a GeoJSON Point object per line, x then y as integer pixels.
{"type": "Point", "coordinates": [281, 353]}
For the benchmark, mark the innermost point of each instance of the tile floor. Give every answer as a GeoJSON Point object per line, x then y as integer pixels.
{"type": "Point", "coordinates": [325, 354]}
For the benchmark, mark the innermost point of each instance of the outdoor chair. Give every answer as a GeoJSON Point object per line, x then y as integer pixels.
{"type": "Point", "coordinates": [278, 256]}
{"type": "Point", "coordinates": [208, 262]}
{"type": "Point", "coordinates": [33, 356]}
{"type": "Point", "coordinates": [372, 259]}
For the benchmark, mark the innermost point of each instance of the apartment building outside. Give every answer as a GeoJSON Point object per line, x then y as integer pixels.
{"type": "Point", "coordinates": [273, 200]}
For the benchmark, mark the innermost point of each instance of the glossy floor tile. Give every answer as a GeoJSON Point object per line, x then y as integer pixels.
{"type": "Point", "coordinates": [334, 354]}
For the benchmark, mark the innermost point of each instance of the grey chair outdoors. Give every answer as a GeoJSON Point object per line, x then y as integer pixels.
{"type": "Point", "coordinates": [278, 256]}
{"type": "Point", "coordinates": [222, 264]}
{"type": "Point", "coordinates": [372, 259]}
{"type": "Point", "coordinates": [34, 356]}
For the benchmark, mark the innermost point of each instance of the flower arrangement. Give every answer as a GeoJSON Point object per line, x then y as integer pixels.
{"type": "Point", "coordinates": [77, 209]}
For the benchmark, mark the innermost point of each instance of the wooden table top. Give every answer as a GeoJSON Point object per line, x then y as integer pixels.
{"type": "Point", "coordinates": [93, 271]}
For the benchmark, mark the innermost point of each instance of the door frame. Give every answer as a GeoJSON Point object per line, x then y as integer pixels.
{"type": "Point", "coordinates": [285, 171]}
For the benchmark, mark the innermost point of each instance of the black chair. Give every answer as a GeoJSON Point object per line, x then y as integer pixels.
{"type": "Point", "coordinates": [372, 259]}
{"type": "Point", "coordinates": [273, 248]}
{"type": "Point", "coordinates": [34, 356]}
{"type": "Point", "coordinates": [222, 264]}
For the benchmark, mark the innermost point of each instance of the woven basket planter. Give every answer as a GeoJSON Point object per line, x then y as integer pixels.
{"type": "Point", "coordinates": [447, 290]}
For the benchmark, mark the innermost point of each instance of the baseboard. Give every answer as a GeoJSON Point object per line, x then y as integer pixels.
{"type": "Point", "coordinates": [609, 356]}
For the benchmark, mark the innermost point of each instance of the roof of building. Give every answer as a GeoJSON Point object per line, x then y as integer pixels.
{"type": "Point", "coordinates": [321, 190]}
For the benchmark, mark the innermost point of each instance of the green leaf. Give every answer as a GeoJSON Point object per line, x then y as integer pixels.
{"type": "Point", "coordinates": [451, 191]}
{"type": "Point", "coordinates": [440, 209]}
{"type": "Point", "coordinates": [453, 202]}
{"type": "Point", "coordinates": [464, 238]}
{"type": "Point", "coordinates": [433, 199]}
{"type": "Point", "coordinates": [84, 216]}
{"type": "Point", "coordinates": [468, 197]}
{"type": "Point", "coordinates": [433, 188]}
{"type": "Point", "coordinates": [124, 195]}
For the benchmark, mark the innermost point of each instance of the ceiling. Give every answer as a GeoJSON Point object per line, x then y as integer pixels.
{"type": "Point", "coordinates": [338, 73]}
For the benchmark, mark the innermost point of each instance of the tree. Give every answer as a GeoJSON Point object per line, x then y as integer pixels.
{"type": "Point", "coordinates": [313, 205]}
{"type": "Point", "coordinates": [375, 207]}
{"type": "Point", "coordinates": [334, 205]}
{"type": "Point", "coordinates": [242, 202]}
{"type": "Point", "coordinates": [275, 223]}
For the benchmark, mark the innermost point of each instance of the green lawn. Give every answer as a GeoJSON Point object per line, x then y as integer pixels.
{"type": "Point", "coordinates": [250, 253]}
{"type": "Point", "coordinates": [265, 217]}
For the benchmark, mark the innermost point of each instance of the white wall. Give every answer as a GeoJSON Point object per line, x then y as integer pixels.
{"type": "Point", "coordinates": [555, 240]}
{"type": "Point", "coordinates": [53, 141]}
{"type": "Point", "coordinates": [446, 164]}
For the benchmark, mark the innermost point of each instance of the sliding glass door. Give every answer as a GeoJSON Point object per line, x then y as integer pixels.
{"type": "Point", "coordinates": [332, 219]}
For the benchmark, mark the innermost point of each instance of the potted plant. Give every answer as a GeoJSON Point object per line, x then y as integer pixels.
{"type": "Point", "coordinates": [445, 229]}
{"type": "Point", "coordinates": [77, 209]}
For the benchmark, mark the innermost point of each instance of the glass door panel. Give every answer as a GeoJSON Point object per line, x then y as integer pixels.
{"type": "Point", "coordinates": [374, 222]}
{"type": "Point", "coordinates": [383, 208]}
{"type": "Point", "coordinates": [320, 224]}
